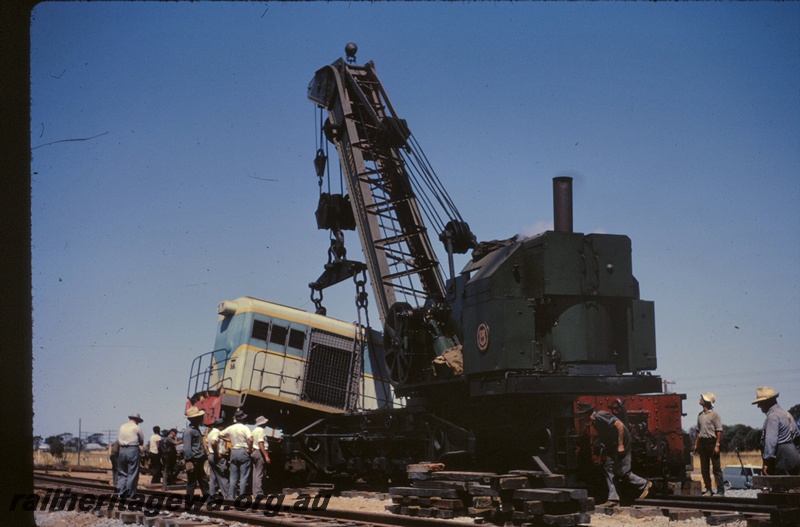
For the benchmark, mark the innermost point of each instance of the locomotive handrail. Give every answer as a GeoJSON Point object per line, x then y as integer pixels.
{"type": "Point", "coordinates": [200, 373]}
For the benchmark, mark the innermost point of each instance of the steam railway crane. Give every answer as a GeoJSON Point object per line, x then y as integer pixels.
{"type": "Point", "coordinates": [391, 184]}
{"type": "Point", "coordinates": [494, 361]}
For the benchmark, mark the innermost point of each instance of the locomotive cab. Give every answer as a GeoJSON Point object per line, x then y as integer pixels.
{"type": "Point", "coordinates": [287, 364]}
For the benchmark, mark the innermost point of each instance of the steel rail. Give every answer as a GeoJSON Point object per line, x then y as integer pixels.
{"type": "Point", "coordinates": [228, 509]}
{"type": "Point", "coordinates": [711, 504]}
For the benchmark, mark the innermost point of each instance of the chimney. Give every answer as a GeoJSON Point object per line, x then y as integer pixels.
{"type": "Point", "coordinates": [562, 204]}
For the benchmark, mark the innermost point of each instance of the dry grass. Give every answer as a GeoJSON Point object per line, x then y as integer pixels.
{"type": "Point", "coordinates": [88, 459]}
{"type": "Point", "coordinates": [729, 458]}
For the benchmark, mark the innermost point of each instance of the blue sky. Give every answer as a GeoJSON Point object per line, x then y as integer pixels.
{"type": "Point", "coordinates": [680, 123]}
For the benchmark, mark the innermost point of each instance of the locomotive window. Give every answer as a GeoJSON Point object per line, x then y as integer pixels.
{"type": "Point", "coordinates": [296, 339]}
{"type": "Point", "coordinates": [260, 330]}
{"type": "Point", "coordinates": [278, 335]}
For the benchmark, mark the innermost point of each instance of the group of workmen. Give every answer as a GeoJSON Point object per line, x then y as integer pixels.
{"type": "Point", "coordinates": [779, 444]}
{"type": "Point", "coordinates": [237, 456]}
{"type": "Point", "coordinates": [780, 439]}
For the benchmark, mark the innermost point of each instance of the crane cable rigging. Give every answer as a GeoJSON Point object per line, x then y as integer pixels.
{"type": "Point", "coordinates": [336, 253]}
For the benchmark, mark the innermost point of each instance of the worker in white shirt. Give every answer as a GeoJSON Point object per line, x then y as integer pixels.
{"type": "Point", "coordinates": [260, 456]}
{"type": "Point", "coordinates": [241, 440]}
{"type": "Point", "coordinates": [130, 439]}
{"type": "Point", "coordinates": [218, 482]}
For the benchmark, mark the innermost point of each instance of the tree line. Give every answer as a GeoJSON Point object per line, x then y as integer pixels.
{"type": "Point", "coordinates": [66, 442]}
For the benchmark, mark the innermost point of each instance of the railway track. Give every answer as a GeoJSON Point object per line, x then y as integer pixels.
{"type": "Point", "coordinates": [168, 508]}
{"type": "Point", "coordinates": [711, 504]}
{"type": "Point", "coordinates": [769, 509]}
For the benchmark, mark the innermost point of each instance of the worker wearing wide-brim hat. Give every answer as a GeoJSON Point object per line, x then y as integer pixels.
{"type": "Point", "coordinates": [131, 439]}
{"type": "Point", "coordinates": [707, 443]}
{"type": "Point", "coordinates": [260, 456]}
{"type": "Point", "coordinates": [778, 436]}
{"type": "Point", "coordinates": [194, 453]}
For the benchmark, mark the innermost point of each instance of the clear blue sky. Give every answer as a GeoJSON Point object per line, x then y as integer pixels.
{"type": "Point", "coordinates": [680, 123]}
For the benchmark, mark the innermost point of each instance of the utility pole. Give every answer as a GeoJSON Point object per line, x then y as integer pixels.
{"type": "Point", "coordinates": [109, 433]}
{"type": "Point", "coordinates": [79, 442]}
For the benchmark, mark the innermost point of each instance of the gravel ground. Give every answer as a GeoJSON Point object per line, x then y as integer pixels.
{"type": "Point", "coordinates": [76, 519]}
{"type": "Point", "coordinates": [599, 519]}
{"type": "Point", "coordinates": [73, 519]}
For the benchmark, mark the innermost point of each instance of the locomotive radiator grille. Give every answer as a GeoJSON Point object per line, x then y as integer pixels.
{"type": "Point", "coordinates": [329, 370]}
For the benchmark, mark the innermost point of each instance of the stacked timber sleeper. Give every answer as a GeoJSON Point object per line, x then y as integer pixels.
{"type": "Point", "coordinates": [784, 494]}
{"type": "Point", "coordinates": [525, 498]}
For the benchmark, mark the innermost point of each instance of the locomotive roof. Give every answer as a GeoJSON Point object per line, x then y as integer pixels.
{"type": "Point", "coordinates": [250, 304]}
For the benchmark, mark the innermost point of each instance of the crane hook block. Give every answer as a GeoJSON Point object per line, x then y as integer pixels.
{"type": "Point", "coordinates": [334, 211]}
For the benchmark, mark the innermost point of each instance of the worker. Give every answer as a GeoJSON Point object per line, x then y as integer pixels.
{"type": "Point", "coordinates": [616, 440]}
{"type": "Point", "coordinates": [707, 441]}
{"type": "Point", "coordinates": [218, 482]}
{"type": "Point", "coordinates": [131, 440]}
{"type": "Point", "coordinates": [241, 445]}
{"type": "Point", "coordinates": [169, 456]}
{"type": "Point", "coordinates": [778, 436]}
{"type": "Point", "coordinates": [194, 453]}
{"type": "Point", "coordinates": [260, 456]}
{"type": "Point", "coordinates": [113, 456]}
{"type": "Point", "coordinates": [154, 454]}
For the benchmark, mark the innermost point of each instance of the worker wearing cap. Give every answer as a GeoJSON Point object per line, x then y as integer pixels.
{"type": "Point", "coordinates": [706, 443]}
{"type": "Point", "coordinates": [778, 436]}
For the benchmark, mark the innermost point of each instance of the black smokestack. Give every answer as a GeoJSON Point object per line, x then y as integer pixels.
{"type": "Point", "coordinates": [562, 203]}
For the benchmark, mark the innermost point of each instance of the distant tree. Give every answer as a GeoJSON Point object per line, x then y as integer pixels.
{"type": "Point", "coordinates": [73, 444]}
{"type": "Point", "coordinates": [692, 433]}
{"type": "Point", "coordinates": [56, 446]}
{"type": "Point", "coordinates": [753, 440]}
{"type": "Point", "coordinates": [741, 437]}
{"type": "Point", "coordinates": [95, 438]}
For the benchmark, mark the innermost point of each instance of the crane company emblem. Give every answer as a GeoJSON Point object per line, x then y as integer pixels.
{"type": "Point", "coordinates": [483, 336]}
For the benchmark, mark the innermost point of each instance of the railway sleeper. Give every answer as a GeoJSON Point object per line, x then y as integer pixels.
{"type": "Point", "coordinates": [517, 498]}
